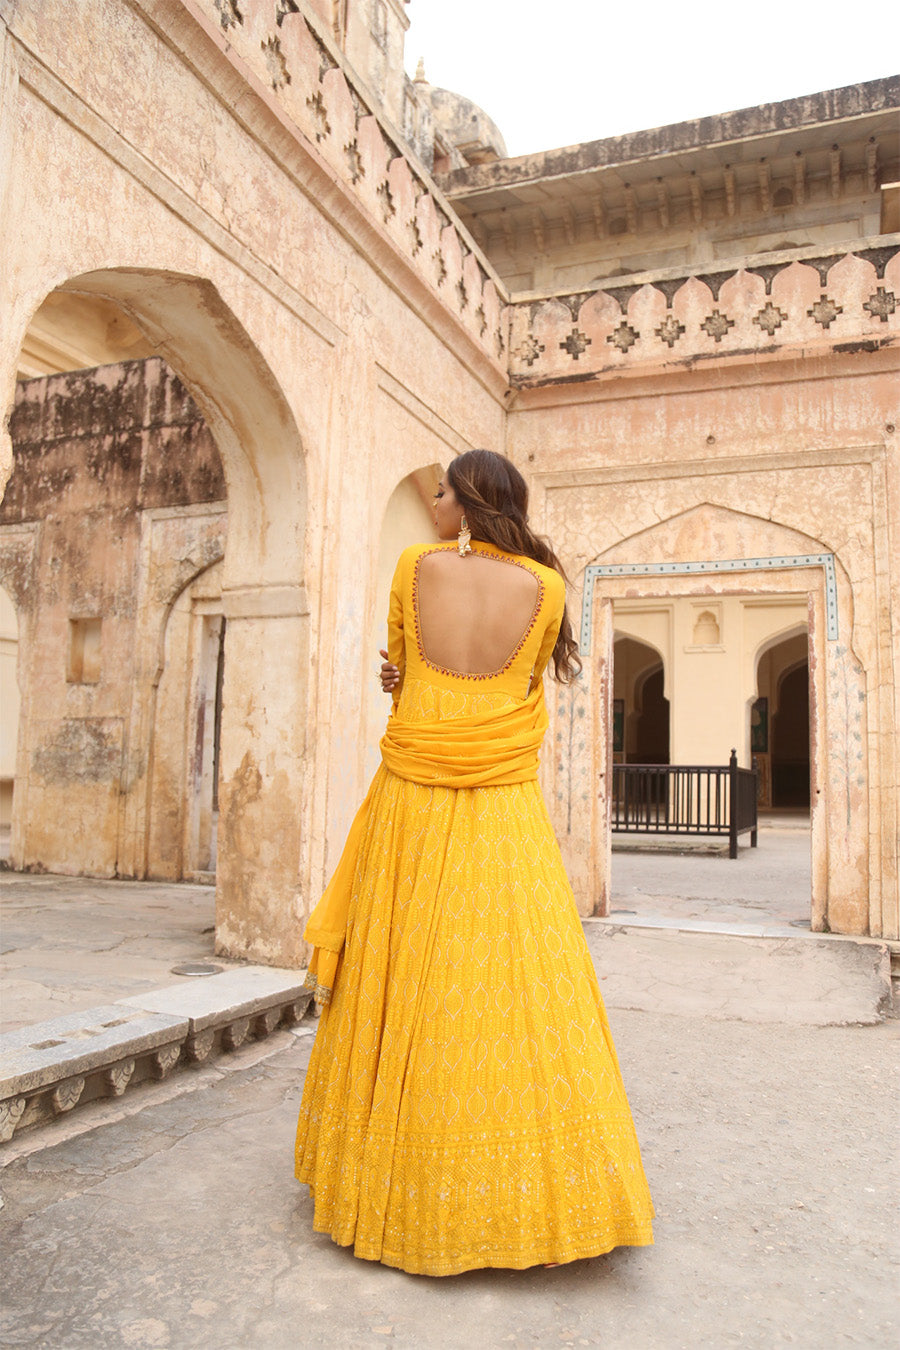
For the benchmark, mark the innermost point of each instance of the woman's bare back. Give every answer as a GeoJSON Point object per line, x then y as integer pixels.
{"type": "Point", "coordinates": [473, 612]}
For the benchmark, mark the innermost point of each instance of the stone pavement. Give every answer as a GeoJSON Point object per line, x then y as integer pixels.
{"type": "Point", "coordinates": [170, 1217]}
{"type": "Point", "coordinates": [771, 1154]}
{"type": "Point", "coordinates": [70, 942]}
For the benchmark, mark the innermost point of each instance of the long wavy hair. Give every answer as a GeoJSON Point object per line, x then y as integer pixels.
{"type": "Point", "coordinates": [494, 496]}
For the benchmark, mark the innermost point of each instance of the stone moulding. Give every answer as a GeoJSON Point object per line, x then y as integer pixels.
{"type": "Point", "coordinates": [54, 1067]}
{"type": "Point", "coordinates": [596, 571]}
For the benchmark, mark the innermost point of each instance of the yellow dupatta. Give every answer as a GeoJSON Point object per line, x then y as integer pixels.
{"type": "Point", "coordinates": [493, 748]}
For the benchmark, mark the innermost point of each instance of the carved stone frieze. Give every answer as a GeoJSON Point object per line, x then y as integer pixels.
{"type": "Point", "coordinates": [717, 325]}
{"type": "Point", "coordinates": [229, 14]}
{"type": "Point", "coordinates": [276, 64]}
{"type": "Point", "coordinates": [354, 162]}
{"type": "Point", "coordinates": [768, 272]}
{"type": "Point", "coordinates": [624, 337]}
{"type": "Point", "coordinates": [283, 8]}
{"type": "Point", "coordinates": [669, 331]}
{"type": "Point", "coordinates": [575, 343]}
{"type": "Point", "coordinates": [386, 197]}
{"type": "Point", "coordinates": [529, 349]}
{"type": "Point", "coordinates": [882, 304]}
{"type": "Point", "coordinates": [825, 311]}
{"type": "Point", "coordinates": [770, 318]}
{"type": "Point", "coordinates": [321, 125]}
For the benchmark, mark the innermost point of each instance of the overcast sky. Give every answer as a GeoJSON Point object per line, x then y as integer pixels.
{"type": "Point", "coordinates": [555, 72]}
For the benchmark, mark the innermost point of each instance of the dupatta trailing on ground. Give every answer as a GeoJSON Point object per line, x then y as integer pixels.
{"type": "Point", "coordinates": [500, 746]}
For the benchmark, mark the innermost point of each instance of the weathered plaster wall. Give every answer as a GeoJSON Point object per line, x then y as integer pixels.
{"type": "Point", "coordinates": [704, 463]}
{"type": "Point", "coordinates": [336, 329]}
{"type": "Point", "coordinates": [95, 452]}
{"type": "Point", "coordinates": [241, 197]}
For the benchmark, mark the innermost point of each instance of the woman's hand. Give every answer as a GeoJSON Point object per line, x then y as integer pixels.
{"type": "Point", "coordinates": [390, 675]}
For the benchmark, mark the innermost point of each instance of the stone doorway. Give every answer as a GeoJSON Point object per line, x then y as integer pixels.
{"type": "Point", "coordinates": [727, 660]}
{"type": "Point", "coordinates": [640, 730]}
{"type": "Point", "coordinates": [187, 736]}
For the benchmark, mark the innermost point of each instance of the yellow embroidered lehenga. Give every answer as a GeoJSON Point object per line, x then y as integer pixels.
{"type": "Point", "coordinates": [463, 1105]}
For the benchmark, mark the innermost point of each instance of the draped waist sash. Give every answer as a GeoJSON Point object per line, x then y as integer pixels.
{"type": "Point", "coordinates": [498, 747]}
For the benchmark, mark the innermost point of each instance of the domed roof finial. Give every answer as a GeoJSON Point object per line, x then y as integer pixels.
{"type": "Point", "coordinates": [420, 72]}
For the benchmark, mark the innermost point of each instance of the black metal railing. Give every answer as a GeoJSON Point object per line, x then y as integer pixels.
{"type": "Point", "coordinates": [685, 799]}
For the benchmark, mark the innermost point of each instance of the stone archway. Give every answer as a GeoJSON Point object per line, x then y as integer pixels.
{"type": "Point", "coordinates": [262, 783]}
{"type": "Point", "coordinates": [640, 700]}
{"type": "Point", "coordinates": [752, 557]}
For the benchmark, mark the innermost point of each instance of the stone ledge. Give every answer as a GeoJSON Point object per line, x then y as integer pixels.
{"type": "Point", "coordinates": [741, 974]}
{"type": "Point", "coordinates": [51, 1067]}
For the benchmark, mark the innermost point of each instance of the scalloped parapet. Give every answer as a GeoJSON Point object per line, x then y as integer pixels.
{"type": "Point", "coordinates": [799, 301]}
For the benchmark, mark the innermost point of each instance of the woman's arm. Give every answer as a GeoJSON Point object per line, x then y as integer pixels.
{"type": "Point", "coordinates": [390, 675]}
{"type": "Point", "coordinates": [394, 656]}
{"type": "Point", "coordinates": [556, 603]}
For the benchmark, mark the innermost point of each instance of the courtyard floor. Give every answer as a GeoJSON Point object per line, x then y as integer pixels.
{"type": "Point", "coordinates": [170, 1217]}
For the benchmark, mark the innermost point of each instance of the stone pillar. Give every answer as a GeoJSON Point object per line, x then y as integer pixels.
{"type": "Point", "coordinates": [262, 842]}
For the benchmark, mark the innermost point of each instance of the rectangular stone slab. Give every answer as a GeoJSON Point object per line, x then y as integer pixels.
{"type": "Point", "coordinates": [213, 999]}
{"type": "Point", "coordinates": [79, 1043]}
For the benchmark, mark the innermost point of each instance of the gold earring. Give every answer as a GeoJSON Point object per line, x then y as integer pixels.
{"type": "Point", "coordinates": [462, 539]}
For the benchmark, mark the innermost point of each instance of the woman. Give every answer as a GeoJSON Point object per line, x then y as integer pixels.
{"type": "Point", "coordinates": [463, 1106]}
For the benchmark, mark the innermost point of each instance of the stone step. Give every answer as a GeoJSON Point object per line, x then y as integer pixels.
{"type": "Point", "coordinates": [50, 1068]}
{"type": "Point", "coordinates": [735, 972]}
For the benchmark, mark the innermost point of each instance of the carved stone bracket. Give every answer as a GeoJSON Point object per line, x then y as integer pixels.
{"type": "Point", "coordinates": [163, 1061]}
{"type": "Point", "coordinates": [266, 1023]}
{"type": "Point", "coordinates": [11, 1112]}
{"type": "Point", "coordinates": [66, 1095]}
{"type": "Point", "coordinates": [198, 1046]}
{"type": "Point", "coordinates": [234, 1035]}
{"type": "Point", "coordinates": [117, 1077]}
{"type": "Point", "coordinates": [293, 1012]}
